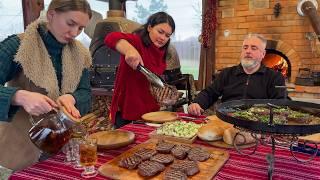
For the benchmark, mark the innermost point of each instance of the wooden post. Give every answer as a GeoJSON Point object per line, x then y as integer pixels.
{"type": "Point", "coordinates": [31, 10]}
{"type": "Point", "coordinates": [207, 54]}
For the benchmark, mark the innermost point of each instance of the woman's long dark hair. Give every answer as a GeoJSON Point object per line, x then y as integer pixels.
{"type": "Point", "coordinates": [153, 20]}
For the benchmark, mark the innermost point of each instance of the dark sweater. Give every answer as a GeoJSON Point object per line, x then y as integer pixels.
{"type": "Point", "coordinates": [234, 84]}
{"type": "Point", "coordinates": [9, 69]}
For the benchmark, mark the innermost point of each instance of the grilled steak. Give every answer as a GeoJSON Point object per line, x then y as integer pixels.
{"type": "Point", "coordinates": [190, 168]}
{"type": "Point", "coordinates": [168, 95]}
{"type": "Point", "coordinates": [180, 151]}
{"type": "Point", "coordinates": [173, 174]}
{"type": "Point", "coordinates": [164, 147]}
{"type": "Point", "coordinates": [145, 153]}
{"type": "Point", "coordinates": [150, 168]}
{"type": "Point", "coordinates": [198, 154]}
{"type": "Point", "coordinates": [130, 162]}
{"type": "Point", "coordinates": [162, 158]}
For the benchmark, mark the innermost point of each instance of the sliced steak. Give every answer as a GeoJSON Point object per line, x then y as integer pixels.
{"type": "Point", "coordinates": [198, 154]}
{"type": "Point", "coordinates": [130, 162]}
{"type": "Point", "coordinates": [190, 168]}
{"type": "Point", "coordinates": [164, 147]}
{"type": "Point", "coordinates": [150, 168]}
{"type": "Point", "coordinates": [162, 158]}
{"type": "Point", "coordinates": [173, 174]}
{"type": "Point", "coordinates": [180, 151]}
{"type": "Point", "coordinates": [145, 153]}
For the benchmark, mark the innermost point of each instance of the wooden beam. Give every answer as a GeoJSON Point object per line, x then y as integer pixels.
{"type": "Point", "coordinates": [207, 54]}
{"type": "Point", "coordinates": [31, 10]}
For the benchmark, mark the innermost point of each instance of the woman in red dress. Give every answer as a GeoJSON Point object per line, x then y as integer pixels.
{"type": "Point", "coordinates": [146, 46]}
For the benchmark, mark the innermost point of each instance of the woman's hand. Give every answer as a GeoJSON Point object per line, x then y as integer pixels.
{"type": "Point", "coordinates": [68, 101]}
{"type": "Point", "coordinates": [33, 103]}
{"type": "Point", "coordinates": [132, 56]}
{"type": "Point", "coordinates": [195, 109]}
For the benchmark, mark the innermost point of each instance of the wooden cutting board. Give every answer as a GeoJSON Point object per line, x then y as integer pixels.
{"type": "Point", "coordinates": [315, 138]}
{"type": "Point", "coordinates": [113, 139]}
{"type": "Point", "coordinates": [208, 169]}
{"type": "Point", "coordinates": [222, 144]}
{"type": "Point", "coordinates": [160, 116]}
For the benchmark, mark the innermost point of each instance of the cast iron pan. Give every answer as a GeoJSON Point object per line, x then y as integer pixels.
{"type": "Point", "coordinates": [224, 109]}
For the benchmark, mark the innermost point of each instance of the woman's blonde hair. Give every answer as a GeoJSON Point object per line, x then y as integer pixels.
{"type": "Point", "coordinates": [70, 5]}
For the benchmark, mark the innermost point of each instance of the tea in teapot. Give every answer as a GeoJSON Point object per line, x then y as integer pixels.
{"type": "Point", "coordinates": [51, 133]}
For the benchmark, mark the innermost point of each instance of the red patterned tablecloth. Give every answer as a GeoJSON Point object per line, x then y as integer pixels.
{"type": "Point", "coordinates": [237, 167]}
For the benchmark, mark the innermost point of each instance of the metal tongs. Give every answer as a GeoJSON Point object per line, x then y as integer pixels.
{"type": "Point", "coordinates": [154, 79]}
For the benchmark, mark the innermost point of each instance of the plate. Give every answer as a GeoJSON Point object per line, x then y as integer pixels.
{"type": "Point", "coordinates": [160, 116]}
{"type": "Point", "coordinates": [113, 139]}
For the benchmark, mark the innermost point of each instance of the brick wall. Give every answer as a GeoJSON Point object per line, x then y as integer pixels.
{"type": "Point", "coordinates": [289, 30]}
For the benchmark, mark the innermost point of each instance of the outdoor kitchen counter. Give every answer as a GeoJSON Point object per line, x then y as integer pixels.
{"type": "Point", "coordinates": [237, 167]}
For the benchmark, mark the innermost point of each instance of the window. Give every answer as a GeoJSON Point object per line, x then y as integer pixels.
{"type": "Point", "coordinates": [11, 18]}
{"type": "Point", "coordinates": [187, 17]}
{"type": "Point", "coordinates": [186, 13]}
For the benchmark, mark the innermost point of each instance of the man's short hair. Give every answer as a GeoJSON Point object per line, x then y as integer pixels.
{"type": "Point", "coordinates": [263, 40]}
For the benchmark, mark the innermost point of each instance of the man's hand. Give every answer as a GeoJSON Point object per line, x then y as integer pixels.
{"type": "Point", "coordinates": [33, 103]}
{"type": "Point", "coordinates": [68, 101]}
{"type": "Point", "coordinates": [195, 109]}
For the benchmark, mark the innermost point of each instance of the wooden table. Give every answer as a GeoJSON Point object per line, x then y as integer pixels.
{"type": "Point", "coordinates": [237, 167]}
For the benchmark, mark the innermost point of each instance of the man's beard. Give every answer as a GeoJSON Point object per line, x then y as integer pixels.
{"type": "Point", "coordinates": [249, 63]}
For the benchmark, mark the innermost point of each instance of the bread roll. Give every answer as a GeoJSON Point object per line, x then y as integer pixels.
{"type": "Point", "coordinates": [210, 133]}
{"type": "Point", "coordinates": [230, 133]}
{"type": "Point", "coordinates": [218, 122]}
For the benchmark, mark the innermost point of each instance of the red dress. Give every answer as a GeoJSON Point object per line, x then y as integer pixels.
{"type": "Point", "coordinates": [132, 96]}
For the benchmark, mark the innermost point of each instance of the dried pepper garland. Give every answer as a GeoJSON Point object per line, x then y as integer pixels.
{"type": "Point", "coordinates": [209, 23]}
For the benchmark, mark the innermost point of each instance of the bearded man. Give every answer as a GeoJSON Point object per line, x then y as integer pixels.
{"type": "Point", "coordinates": [248, 80]}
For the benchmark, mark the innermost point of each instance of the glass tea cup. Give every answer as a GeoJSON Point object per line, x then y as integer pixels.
{"type": "Point", "coordinates": [88, 156]}
{"type": "Point", "coordinates": [79, 132]}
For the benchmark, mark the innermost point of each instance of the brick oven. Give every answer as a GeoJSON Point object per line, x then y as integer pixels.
{"type": "Point", "coordinates": [292, 43]}
{"type": "Point", "coordinates": [287, 34]}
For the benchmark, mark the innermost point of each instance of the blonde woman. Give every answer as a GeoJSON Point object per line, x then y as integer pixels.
{"type": "Point", "coordinates": [44, 67]}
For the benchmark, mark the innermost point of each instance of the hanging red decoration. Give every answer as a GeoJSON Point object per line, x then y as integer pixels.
{"type": "Point", "coordinates": [209, 23]}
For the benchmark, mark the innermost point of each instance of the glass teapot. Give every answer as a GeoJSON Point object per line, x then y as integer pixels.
{"type": "Point", "coordinates": [52, 132]}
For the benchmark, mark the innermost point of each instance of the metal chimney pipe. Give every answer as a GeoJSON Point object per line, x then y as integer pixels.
{"type": "Point", "coordinates": [309, 8]}
{"type": "Point", "coordinates": [115, 4]}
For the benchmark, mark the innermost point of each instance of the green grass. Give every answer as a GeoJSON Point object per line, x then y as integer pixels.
{"type": "Point", "coordinates": [190, 67]}
{"type": "Point", "coordinates": [190, 70]}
